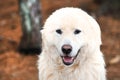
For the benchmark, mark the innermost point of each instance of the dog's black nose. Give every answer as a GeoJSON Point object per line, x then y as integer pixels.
{"type": "Point", "coordinates": [66, 49]}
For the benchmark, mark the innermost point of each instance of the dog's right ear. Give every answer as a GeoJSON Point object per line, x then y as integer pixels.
{"type": "Point", "coordinates": [41, 40]}
{"type": "Point", "coordinates": [41, 30]}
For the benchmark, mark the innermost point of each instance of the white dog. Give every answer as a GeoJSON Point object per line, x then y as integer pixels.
{"type": "Point", "coordinates": [71, 47]}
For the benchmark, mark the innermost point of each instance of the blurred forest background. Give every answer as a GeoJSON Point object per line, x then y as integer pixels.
{"type": "Point", "coordinates": [15, 65]}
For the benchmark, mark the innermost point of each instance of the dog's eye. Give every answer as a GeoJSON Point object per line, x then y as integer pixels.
{"type": "Point", "coordinates": [77, 31]}
{"type": "Point", "coordinates": [59, 31]}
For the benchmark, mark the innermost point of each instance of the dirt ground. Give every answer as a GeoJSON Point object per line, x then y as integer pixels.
{"type": "Point", "coordinates": [17, 66]}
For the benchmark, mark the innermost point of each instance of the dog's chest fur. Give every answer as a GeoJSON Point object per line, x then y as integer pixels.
{"type": "Point", "coordinates": [76, 72]}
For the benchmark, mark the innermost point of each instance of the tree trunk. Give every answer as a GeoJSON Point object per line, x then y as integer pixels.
{"type": "Point", "coordinates": [30, 20]}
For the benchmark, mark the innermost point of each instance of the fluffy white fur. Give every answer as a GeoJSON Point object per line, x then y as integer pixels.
{"type": "Point", "coordinates": [89, 63]}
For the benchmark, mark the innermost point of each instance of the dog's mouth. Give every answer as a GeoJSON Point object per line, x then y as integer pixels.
{"type": "Point", "coordinates": [69, 60]}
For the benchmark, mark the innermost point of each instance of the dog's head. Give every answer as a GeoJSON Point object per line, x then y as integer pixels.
{"type": "Point", "coordinates": [67, 31]}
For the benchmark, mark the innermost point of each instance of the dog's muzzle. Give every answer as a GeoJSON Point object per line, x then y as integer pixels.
{"type": "Point", "coordinates": [66, 58]}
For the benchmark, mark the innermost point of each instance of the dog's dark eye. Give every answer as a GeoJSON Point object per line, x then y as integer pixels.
{"type": "Point", "coordinates": [59, 31]}
{"type": "Point", "coordinates": [77, 31]}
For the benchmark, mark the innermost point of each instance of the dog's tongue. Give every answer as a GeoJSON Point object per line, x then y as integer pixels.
{"type": "Point", "coordinates": [68, 59]}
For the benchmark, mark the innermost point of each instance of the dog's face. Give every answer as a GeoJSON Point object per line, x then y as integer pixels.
{"type": "Point", "coordinates": [69, 43]}
{"type": "Point", "coordinates": [68, 34]}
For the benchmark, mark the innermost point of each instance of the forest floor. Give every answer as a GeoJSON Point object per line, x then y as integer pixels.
{"type": "Point", "coordinates": [17, 66]}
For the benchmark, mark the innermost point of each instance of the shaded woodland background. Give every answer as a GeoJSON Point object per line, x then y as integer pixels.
{"type": "Point", "coordinates": [15, 65]}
